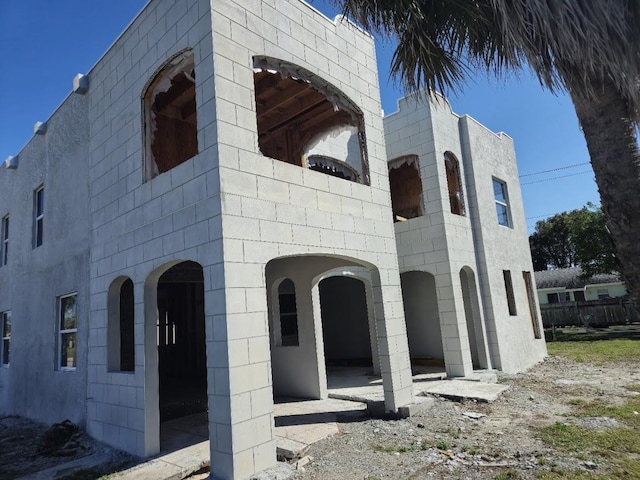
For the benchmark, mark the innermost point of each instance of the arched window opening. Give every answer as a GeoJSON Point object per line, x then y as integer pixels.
{"type": "Point", "coordinates": [299, 113]}
{"type": "Point", "coordinates": [288, 313]}
{"type": "Point", "coordinates": [331, 166]}
{"type": "Point", "coordinates": [121, 341]}
{"type": "Point", "coordinates": [454, 183]}
{"type": "Point", "coordinates": [406, 188]}
{"type": "Point", "coordinates": [171, 124]}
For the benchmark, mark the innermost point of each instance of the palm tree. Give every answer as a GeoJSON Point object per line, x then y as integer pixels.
{"type": "Point", "coordinates": [591, 48]}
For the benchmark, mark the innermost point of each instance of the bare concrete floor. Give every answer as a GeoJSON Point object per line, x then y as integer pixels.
{"type": "Point", "coordinates": [298, 422]}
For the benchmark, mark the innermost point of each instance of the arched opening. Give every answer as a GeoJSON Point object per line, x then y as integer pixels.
{"type": "Point", "coordinates": [473, 319]}
{"type": "Point", "coordinates": [170, 117]}
{"type": "Point", "coordinates": [120, 326]}
{"type": "Point", "coordinates": [454, 184]}
{"type": "Point", "coordinates": [422, 319]}
{"type": "Point", "coordinates": [287, 306]}
{"type": "Point", "coordinates": [331, 166]}
{"type": "Point", "coordinates": [345, 323]}
{"type": "Point", "coordinates": [182, 369]}
{"type": "Point", "coordinates": [406, 188]}
{"type": "Point", "coordinates": [299, 114]}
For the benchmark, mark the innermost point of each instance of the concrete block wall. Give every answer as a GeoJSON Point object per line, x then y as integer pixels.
{"type": "Point", "coordinates": [439, 242]}
{"type": "Point", "coordinates": [33, 279]}
{"type": "Point", "coordinates": [272, 209]}
{"type": "Point", "coordinates": [488, 155]}
{"type": "Point", "coordinates": [141, 228]}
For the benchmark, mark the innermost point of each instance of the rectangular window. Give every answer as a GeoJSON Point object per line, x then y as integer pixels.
{"type": "Point", "coordinates": [502, 202]}
{"type": "Point", "coordinates": [6, 337]}
{"type": "Point", "coordinates": [68, 329]}
{"type": "Point", "coordinates": [508, 285]}
{"type": "Point", "coordinates": [578, 295]}
{"type": "Point", "coordinates": [528, 283]}
{"type": "Point", "coordinates": [38, 211]}
{"type": "Point", "coordinates": [552, 298]}
{"type": "Point", "coordinates": [603, 293]}
{"type": "Point", "coordinates": [4, 247]}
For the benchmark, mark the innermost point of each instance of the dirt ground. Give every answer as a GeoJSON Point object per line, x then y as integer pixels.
{"type": "Point", "coordinates": [451, 440]}
{"type": "Point", "coordinates": [445, 443]}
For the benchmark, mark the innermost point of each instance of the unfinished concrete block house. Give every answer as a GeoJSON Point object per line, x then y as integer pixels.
{"type": "Point", "coordinates": [206, 222]}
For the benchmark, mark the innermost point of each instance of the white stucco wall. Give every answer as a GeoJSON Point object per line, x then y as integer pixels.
{"type": "Point", "coordinates": [31, 283]}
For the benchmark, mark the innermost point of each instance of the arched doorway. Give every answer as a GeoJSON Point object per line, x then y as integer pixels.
{"type": "Point", "coordinates": [422, 318]}
{"type": "Point", "coordinates": [345, 322]}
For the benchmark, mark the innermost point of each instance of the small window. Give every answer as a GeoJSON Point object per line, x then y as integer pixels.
{"type": "Point", "coordinates": [578, 295]}
{"type": "Point", "coordinates": [38, 223]}
{"type": "Point", "coordinates": [6, 337]}
{"type": "Point", "coordinates": [4, 247]}
{"type": "Point", "coordinates": [603, 293]}
{"type": "Point", "coordinates": [67, 332]}
{"type": "Point", "coordinates": [288, 313]}
{"type": "Point", "coordinates": [454, 183]}
{"type": "Point", "coordinates": [528, 283]}
{"type": "Point", "coordinates": [502, 202]}
{"type": "Point", "coordinates": [171, 123]}
{"type": "Point", "coordinates": [565, 297]}
{"type": "Point", "coordinates": [508, 285]}
{"type": "Point", "coordinates": [331, 166]}
{"type": "Point", "coordinates": [406, 188]}
{"type": "Point", "coordinates": [552, 298]}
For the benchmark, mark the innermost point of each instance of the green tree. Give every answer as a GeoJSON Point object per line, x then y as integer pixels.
{"type": "Point", "coordinates": [591, 48]}
{"type": "Point", "coordinates": [576, 238]}
{"type": "Point", "coordinates": [552, 244]}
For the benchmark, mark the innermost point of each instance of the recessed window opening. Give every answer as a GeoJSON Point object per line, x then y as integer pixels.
{"type": "Point", "coordinates": [528, 283]}
{"type": "Point", "coordinates": [454, 183]}
{"type": "Point", "coordinates": [38, 213]}
{"type": "Point", "coordinates": [67, 332]}
{"type": "Point", "coordinates": [171, 123]}
{"type": "Point", "coordinates": [6, 337]}
{"type": "Point", "coordinates": [4, 246]}
{"type": "Point", "coordinates": [603, 293]}
{"type": "Point", "coordinates": [502, 202]}
{"type": "Point", "coordinates": [298, 115]}
{"type": "Point", "coordinates": [406, 188]}
{"type": "Point", "coordinates": [288, 313]}
{"type": "Point", "coordinates": [553, 298]}
{"type": "Point", "coordinates": [508, 286]}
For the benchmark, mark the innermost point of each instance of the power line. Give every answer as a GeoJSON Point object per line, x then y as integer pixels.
{"type": "Point", "coordinates": [556, 178]}
{"type": "Point", "coordinates": [554, 169]}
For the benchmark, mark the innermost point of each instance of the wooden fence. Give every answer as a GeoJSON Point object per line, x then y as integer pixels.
{"type": "Point", "coordinates": [595, 313]}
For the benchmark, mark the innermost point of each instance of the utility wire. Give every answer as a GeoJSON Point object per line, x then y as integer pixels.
{"type": "Point", "coordinates": [555, 178]}
{"type": "Point", "coordinates": [554, 169]}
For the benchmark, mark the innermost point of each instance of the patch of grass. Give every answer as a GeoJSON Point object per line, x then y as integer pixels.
{"type": "Point", "coordinates": [392, 448]}
{"type": "Point", "coordinates": [559, 474]}
{"type": "Point", "coordinates": [509, 474]}
{"type": "Point", "coordinates": [443, 445]}
{"type": "Point", "coordinates": [598, 351]}
{"type": "Point", "coordinates": [606, 443]}
{"type": "Point", "coordinates": [600, 408]}
{"type": "Point", "coordinates": [634, 387]}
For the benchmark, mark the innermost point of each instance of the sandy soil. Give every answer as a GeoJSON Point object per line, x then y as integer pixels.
{"type": "Point", "coordinates": [445, 443]}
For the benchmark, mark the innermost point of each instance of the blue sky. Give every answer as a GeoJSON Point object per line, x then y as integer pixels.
{"type": "Point", "coordinates": [45, 43]}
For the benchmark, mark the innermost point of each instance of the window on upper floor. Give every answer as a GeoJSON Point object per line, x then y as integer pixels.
{"type": "Point", "coordinates": [5, 317]}
{"type": "Point", "coordinates": [288, 313]}
{"type": "Point", "coordinates": [502, 202]}
{"type": "Point", "coordinates": [4, 237]}
{"type": "Point", "coordinates": [38, 216]}
{"type": "Point", "coordinates": [67, 328]}
{"type": "Point", "coordinates": [454, 183]}
{"type": "Point", "coordinates": [170, 117]}
{"type": "Point", "coordinates": [508, 286]}
{"type": "Point", "coordinates": [406, 188]}
{"type": "Point", "coordinates": [302, 118]}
